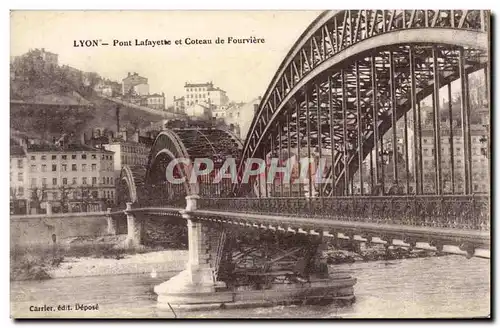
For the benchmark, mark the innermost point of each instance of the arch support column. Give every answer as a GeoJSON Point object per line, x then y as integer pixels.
{"type": "Point", "coordinates": [196, 284]}
{"type": "Point", "coordinates": [134, 228]}
{"type": "Point", "coordinates": [111, 227]}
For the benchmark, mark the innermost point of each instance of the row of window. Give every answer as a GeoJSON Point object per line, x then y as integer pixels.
{"type": "Point", "coordinates": [74, 156]}
{"type": "Point", "coordinates": [455, 140]}
{"type": "Point", "coordinates": [458, 151]}
{"type": "Point", "coordinates": [74, 181]}
{"type": "Point", "coordinates": [77, 194]}
{"type": "Point", "coordinates": [199, 96]}
{"type": "Point", "coordinates": [134, 150]}
{"type": "Point", "coordinates": [197, 89]}
{"type": "Point", "coordinates": [133, 160]}
{"type": "Point", "coordinates": [64, 168]}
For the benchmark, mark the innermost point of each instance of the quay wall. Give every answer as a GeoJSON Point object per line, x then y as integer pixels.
{"type": "Point", "coordinates": [28, 230]}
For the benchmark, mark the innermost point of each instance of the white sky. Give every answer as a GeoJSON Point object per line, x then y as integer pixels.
{"type": "Point", "coordinates": [244, 71]}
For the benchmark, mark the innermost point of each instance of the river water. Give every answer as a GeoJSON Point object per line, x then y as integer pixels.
{"type": "Point", "coordinates": [450, 286]}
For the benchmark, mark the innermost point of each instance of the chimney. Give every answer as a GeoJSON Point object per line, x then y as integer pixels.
{"type": "Point", "coordinates": [82, 138]}
{"type": "Point", "coordinates": [117, 118]}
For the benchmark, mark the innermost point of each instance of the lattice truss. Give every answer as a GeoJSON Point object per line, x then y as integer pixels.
{"type": "Point", "coordinates": [350, 105]}
{"type": "Point", "coordinates": [191, 143]}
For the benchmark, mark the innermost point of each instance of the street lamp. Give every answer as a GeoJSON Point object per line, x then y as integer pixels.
{"type": "Point", "coordinates": [485, 141]}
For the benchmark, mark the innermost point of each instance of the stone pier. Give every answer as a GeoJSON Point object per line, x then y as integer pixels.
{"type": "Point", "coordinates": [134, 228]}
{"type": "Point", "coordinates": [111, 227]}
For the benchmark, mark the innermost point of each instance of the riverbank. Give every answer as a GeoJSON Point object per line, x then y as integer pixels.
{"type": "Point", "coordinates": [377, 253]}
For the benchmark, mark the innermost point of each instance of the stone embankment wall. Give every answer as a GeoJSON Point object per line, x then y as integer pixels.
{"type": "Point", "coordinates": [40, 230]}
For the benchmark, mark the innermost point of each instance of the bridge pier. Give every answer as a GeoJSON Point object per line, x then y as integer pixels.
{"type": "Point", "coordinates": [111, 227]}
{"type": "Point", "coordinates": [134, 228]}
{"type": "Point", "coordinates": [196, 285]}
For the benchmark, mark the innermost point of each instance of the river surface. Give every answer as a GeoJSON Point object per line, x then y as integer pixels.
{"type": "Point", "coordinates": [450, 286]}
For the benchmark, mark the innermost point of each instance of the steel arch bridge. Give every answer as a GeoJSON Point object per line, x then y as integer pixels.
{"type": "Point", "coordinates": [350, 92]}
{"type": "Point", "coordinates": [148, 186]}
{"type": "Point", "coordinates": [353, 74]}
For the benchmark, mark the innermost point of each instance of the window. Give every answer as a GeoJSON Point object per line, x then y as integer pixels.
{"type": "Point", "coordinates": [84, 156]}
{"type": "Point", "coordinates": [94, 167]}
{"type": "Point", "coordinates": [112, 194]}
{"type": "Point", "coordinates": [73, 156]}
{"type": "Point", "coordinates": [64, 157]}
{"type": "Point", "coordinates": [84, 180]}
{"type": "Point", "coordinates": [54, 181]}
{"type": "Point", "coordinates": [94, 156]}
{"type": "Point", "coordinates": [43, 157]}
{"type": "Point", "coordinates": [55, 195]}
{"type": "Point", "coordinates": [64, 167]}
{"type": "Point", "coordinates": [20, 177]}
{"type": "Point", "coordinates": [33, 182]}
{"type": "Point", "coordinates": [44, 182]}
{"type": "Point", "coordinates": [65, 181]}
{"type": "Point", "coordinates": [54, 156]}
{"type": "Point", "coordinates": [94, 180]}
{"type": "Point", "coordinates": [54, 167]}
{"type": "Point", "coordinates": [74, 181]}
{"type": "Point", "coordinates": [33, 158]}
{"type": "Point", "coordinates": [44, 168]}
{"type": "Point", "coordinates": [426, 151]}
{"type": "Point", "coordinates": [73, 167]}
{"type": "Point", "coordinates": [19, 163]}
{"type": "Point", "coordinates": [111, 179]}
{"type": "Point", "coordinates": [21, 191]}
{"type": "Point", "coordinates": [95, 194]}
{"type": "Point", "coordinates": [425, 140]}
{"type": "Point", "coordinates": [33, 168]}
{"type": "Point", "coordinates": [84, 167]}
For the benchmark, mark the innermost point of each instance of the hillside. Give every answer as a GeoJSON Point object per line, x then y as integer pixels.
{"type": "Point", "coordinates": [48, 101]}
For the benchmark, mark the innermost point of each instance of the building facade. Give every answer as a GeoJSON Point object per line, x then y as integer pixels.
{"type": "Point", "coordinates": [179, 105]}
{"type": "Point", "coordinates": [199, 110]}
{"type": "Point", "coordinates": [195, 93]}
{"type": "Point", "coordinates": [154, 101]}
{"type": "Point", "coordinates": [127, 152]}
{"type": "Point", "coordinates": [141, 89]}
{"type": "Point", "coordinates": [131, 81]}
{"type": "Point", "coordinates": [453, 159]}
{"type": "Point", "coordinates": [19, 194]}
{"type": "Point", "coordinates": [50, 58]}
{"type": "Point", "coordinates": [74, 178]}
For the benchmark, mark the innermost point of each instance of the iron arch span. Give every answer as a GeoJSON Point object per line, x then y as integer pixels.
{"type": "Point", "coordinates": [331, 81]}
{"type": "Point", "coordinates": [188, 143]}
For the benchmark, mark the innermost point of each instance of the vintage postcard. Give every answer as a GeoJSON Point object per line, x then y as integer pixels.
{"type": "Point", "coordinates": [250, 164]}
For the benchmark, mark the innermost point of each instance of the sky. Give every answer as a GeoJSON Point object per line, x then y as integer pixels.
{"type": "Point", "coordinates": [243, 70]}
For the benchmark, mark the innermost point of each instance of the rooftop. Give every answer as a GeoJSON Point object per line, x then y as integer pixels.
{"type": "Point", "coordinates": [154, 95]}
{"type": "Point", "coordinates": [67, 148]}
{"type": "Point", "coordinates": [207, 84]}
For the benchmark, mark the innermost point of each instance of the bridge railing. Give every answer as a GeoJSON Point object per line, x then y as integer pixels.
{"type": "Point", "coordinates": [468, 212]}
